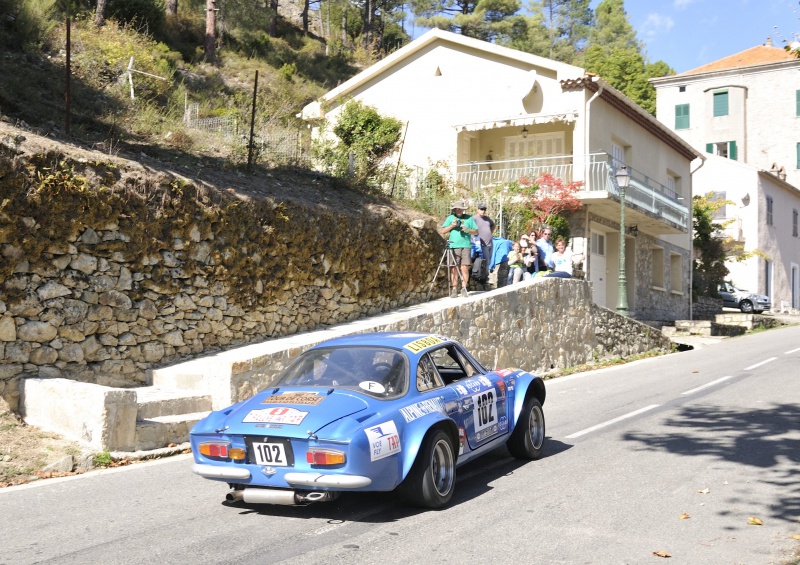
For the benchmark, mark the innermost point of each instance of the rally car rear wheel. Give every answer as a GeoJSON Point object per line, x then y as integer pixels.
{"type": "Point", "coordinates": [527, 439]}
{"type": "Point", "coordinates": [432, 478]}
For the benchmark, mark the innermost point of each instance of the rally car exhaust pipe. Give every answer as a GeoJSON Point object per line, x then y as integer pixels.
{"type": "Point", "coordinates": [279, 497]}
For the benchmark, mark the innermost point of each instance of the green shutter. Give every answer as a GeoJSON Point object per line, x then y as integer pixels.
{"type": "Point", "coordinates": [798, 155]}
{"type": "Point", "coordinates": [682, 116]}
{"type": "Point", "coordinates": [721, 103]}
{"type": "Point", "coordinates": [797, 102]}
{"type": "Point", "coordinates": [710, 148]}
{"type": "Point", "coordinates": [732, 151]}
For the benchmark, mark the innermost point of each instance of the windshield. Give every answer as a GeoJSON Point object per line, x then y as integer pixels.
{"type": "Point", "coordinates": [376, 371]}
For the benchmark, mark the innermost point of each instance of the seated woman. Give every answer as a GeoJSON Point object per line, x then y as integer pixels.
{"type": "Point", "coordinates": [516, 267]}
{"type": "Point", "coordinates": [562, 261]}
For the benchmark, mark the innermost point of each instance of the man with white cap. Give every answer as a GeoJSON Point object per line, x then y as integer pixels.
{"type": "Point", "coordinates": [458, 227]}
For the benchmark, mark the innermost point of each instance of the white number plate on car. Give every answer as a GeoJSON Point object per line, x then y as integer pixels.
{"type": "Point", "coordinates": [273, 454]}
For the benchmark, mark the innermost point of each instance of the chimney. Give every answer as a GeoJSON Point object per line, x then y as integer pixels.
{"type": "Point", "coordinates": [769, 41]}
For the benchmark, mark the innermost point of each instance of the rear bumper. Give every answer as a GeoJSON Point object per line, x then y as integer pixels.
{"type": "Point", "coordinates": [217, 472]}
{"type": "Point", "coordinates": [294, 480]}
{"type": "Point", "coordinates": [317, 480]}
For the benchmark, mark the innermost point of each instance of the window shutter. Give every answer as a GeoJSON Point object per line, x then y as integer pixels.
{"type": "Point", "coordinates": [682, 116]}
{"type": "Point", "coordinates": [710, 148]}
{"type": "Point", "coordinates": [720, 103]}
{"type": "Point", "coordinates": [798, 155]}
{"type": "Point", "coordinates": [797, 102]}
{"type": "Point", "coordinates": [732, 151]}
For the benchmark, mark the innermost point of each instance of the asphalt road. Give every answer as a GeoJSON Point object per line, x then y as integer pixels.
{"type": "Point", "coordinates": [673, 454]}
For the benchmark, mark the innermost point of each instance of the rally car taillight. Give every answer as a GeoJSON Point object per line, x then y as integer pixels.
{"type": "Point", "coordinates": [325, 457]}
{"type": "Point", "coordinates": [222, 450]}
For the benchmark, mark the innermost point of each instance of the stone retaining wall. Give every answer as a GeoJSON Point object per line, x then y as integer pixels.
{"type": "Point", "coordinates": [536, 325]}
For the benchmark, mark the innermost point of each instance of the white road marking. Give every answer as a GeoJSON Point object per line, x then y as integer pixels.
{"type": "Point", "coordinates": [614, 421]}
{"type": "Point", "coordinates": [759, 364]}
{"type": "Point", "coordinates": [792, 351]}
{"type": "Point", "coordinates": [712, 383]}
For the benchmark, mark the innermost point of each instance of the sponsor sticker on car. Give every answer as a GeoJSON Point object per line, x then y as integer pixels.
{"type": "Point", "coordinates": [276, 416]}
{"type": "Point", "coordinates": [423, 343]}
{"type": "Point", "coordinates": [420, 409]}
{"type": "Point", "coordinates": [305, 398]}
{"type": "Point", "coordinates": [383, 440]}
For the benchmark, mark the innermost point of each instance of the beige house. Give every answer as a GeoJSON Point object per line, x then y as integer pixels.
{"type": "Point", "coordinates": [492, 115]}
{"type": "Point", "coordinates": [745, 111]}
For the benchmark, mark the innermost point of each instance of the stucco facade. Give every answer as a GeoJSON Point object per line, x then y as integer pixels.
{"type": "Point", "coordinates": [743, 112]}
{"type": "Point", "coordinates": [490, 115]}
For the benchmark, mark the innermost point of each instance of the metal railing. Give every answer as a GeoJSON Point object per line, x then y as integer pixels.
{"type": "Point", "coordinates": [643, 192]}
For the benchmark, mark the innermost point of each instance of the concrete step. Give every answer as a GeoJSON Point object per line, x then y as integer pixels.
{"type": "Point", "coordinates": [160, 431]}
{"type": "Point", "coordinates": [156, 401]}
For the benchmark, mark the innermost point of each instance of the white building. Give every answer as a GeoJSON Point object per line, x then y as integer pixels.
{"type": "Point", "coordinates": [745, 110]}
{"type": "Point", "coordinates": [464, 100]}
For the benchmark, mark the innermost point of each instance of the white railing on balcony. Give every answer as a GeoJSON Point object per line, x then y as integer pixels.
{"type": "Point", "coordinates": [643, 192]}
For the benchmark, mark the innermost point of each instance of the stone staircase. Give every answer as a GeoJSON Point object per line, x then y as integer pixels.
{"type": "Point", "coordinates": [164, 416]}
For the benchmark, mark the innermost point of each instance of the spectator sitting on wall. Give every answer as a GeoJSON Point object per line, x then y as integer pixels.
{"type": "Point", "coordinates": [516, 267]}
{"type": "Point", "coordinates": [563, 263]}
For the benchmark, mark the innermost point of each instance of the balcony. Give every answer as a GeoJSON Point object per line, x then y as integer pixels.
{"type": "Point", "coordinates": [649, 204]}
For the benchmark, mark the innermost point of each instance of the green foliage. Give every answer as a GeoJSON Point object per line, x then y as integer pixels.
{"type": "Point", "coordinates": [709, 268]}
{"type": "Point", "coordinates": [482, 19]}
{"type": "Point", "coordinates": [556, 29]}
{"type": "Point", "coordinates": [363, 133]}
{"type": "Point", "coordinates": [147, 15]}
{"type": "Point", "coordinates": [287, 71]}
{"type": "Point", "coordinates": [617, 56]}
{"type": "Point", "coordinates": [102, 459]}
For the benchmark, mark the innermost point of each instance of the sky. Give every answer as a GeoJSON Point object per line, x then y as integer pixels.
{"type": "Point", "coordinates": [687, 34]}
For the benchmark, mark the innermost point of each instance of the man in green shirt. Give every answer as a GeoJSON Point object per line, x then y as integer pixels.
{"type": "Point", "coordinates": [459, 227]}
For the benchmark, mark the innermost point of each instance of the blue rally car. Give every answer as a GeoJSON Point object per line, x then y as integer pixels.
{"type": "Point", "coordinates": [370, 412]}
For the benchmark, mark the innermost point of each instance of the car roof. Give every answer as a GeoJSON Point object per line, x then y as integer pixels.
{"type": "Point", "coordinates": [412, 343]}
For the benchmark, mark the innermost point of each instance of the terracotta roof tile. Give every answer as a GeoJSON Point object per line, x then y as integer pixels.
{"type": "Point", "coordinates": [759, 55]}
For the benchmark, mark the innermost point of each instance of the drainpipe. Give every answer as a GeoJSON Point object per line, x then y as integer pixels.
{"type": "Point", "coordinates": [586, 167]}
{"type": "Point", "coordinates": [691, 235]}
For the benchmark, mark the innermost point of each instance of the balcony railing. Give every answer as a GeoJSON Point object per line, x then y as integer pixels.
{"type": "Point", "coordinates": [643, 192]}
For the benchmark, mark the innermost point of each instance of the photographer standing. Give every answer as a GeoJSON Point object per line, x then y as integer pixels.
{"type": "Point", "coordinates": [459, 226]}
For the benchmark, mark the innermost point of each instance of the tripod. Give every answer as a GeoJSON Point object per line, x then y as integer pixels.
{"type": "Point", "coordinates": [451, 264]}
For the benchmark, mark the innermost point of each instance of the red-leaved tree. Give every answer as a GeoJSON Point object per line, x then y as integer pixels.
{"type": "Point", "coordinates": [549, 196]}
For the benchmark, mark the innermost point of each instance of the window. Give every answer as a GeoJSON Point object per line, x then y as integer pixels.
{"type": "Point", "coordinates": [658, 267]}
{"type": "Point", "coordinates": [675, 273]}
{"type": "Point", "coordinates": [728, 150]}
{"type": "Point", "coordinates": [682, 116]}
{"type": "Point", "coordinates": [769, 210]}
{"type": "Point", "coordinates": [797, 102]}
{"type": "Point", "coordinates": [617, 155]}
{"type": "Point", "coordinates": [682, 88]}
{"type": "Point", "coordinates": [598, 243]}
{"type": "Point", "coordinates": [721, 103]}
{"type": "Point", "coordinates": [719, 214]}
{"type": "Point", "coordinates": [794, 223]}
{"type": "Point", "coordinates": [798, 155]}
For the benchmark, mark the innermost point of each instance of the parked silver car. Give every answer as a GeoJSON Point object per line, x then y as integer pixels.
{"type": "Point", "coordinates": [744, 300]}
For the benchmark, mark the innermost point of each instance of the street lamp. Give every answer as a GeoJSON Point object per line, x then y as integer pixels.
{"type": "Point", "coordinates": [623, 178]}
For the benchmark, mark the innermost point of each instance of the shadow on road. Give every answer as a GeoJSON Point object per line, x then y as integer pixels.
{"type": "Point", "coordinates": [764, 438]}
{"type": "Point", "coordinates": [473, 479]}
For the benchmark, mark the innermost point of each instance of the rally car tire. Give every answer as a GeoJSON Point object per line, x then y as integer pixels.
{"type": "Point", "coordinates": [527, 439]}
{"type": "Point", "coordinates": [432, 479]}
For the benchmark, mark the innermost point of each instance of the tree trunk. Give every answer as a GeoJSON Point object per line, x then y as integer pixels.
{"type": "Point", "coordinates": [100, 13]}
{"type": "Point", "coordinates": [211, 31]}
{"type": "Point", "coordinates": [305, 16]}
{"type": "Point", "coordinates": [273, 18]}
{"type": "Point", "coordinates": [171, 8]}
{"type": "Point", "coordinates": [367, 32]}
